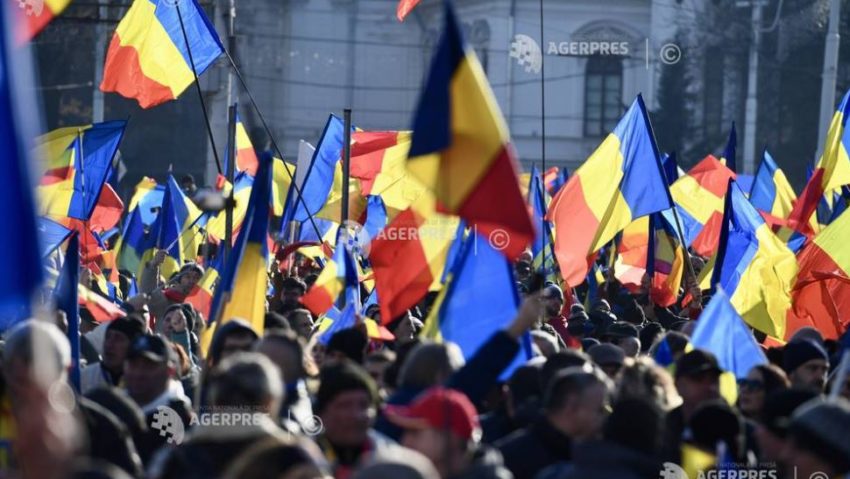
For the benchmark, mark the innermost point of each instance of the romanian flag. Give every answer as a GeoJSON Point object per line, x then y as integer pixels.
{"type": "Point", "coordinates": [147, 197]}
{"type": "Point", "coordinates": [771, 193]}
{"type": "Point", "coordinates": [134, 242]}
{"type": "Point", "coordinates": [174, 231]}
{"type": "Point", "coordinates": [665, 262]}
{"type": "Point", "coordinates": [34, 15]}
{"type": "Point", "coordinates": [78, 162]}
{"type": "Point", "coordinates": [216, 226]}
{"type": "Point", "coordinates": [100, 307]}
{"type": "Point", "coordinates": [832, 171]}
{"type": "Point", "coordinates": [480, 299]}
{"type": "Point", "coordinates": [541, 248]}
{"type": "Point", "coordinates": [20, 245]}
{"type": "Point", "coordinates": [461, 147]}
{"type": "Point", "coordinates": [821, 295]}
{"type": "Point", "coordinates": [338, 275]}
{"type": "Point", "coordinates": [754, 266]}
{"type": "Point", "coordinates": [554, 178]}
{"type": "Point", "coordinates": [621, 181]}
{"type": "Point", "coordinates": [378, 160]}
{"type": "Point", "coordinates": [409, 256]}
{"type": "Point", "coordinates": [149, 59]}
{"type": "Point", "coordinates": [699, 197]}
{"type": "Point", "coordinates": [202, 293]}
{"type": "Point", "coordinates": [246, 157]}
{"type": "Point", "coordinates": [633, 254]}
{"type": "Point", "coordinates": [108, 210]}
{"type": "Point", "coordinates": [242, 291]}
{"type": "Point", "coordinates": [319, 178]}
{"type": "Point", "coordinates": [404, 8]}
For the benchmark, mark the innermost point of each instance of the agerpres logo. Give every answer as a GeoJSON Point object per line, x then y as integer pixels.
{"type": "Point", "coordinates": [169, 424]}
{"type": "Point", "coordinates": [33, 8]}
{"type": "Point", "coordinates": [527, 53]}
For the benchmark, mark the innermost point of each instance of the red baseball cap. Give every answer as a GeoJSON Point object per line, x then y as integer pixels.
{"type": "Point", "coordinates": [438, 408]}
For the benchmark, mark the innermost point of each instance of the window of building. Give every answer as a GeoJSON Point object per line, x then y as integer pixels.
{"type": "Point", "coordinates": [603, 92]}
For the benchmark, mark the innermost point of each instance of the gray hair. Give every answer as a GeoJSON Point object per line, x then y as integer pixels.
{"type": "Point", "coordinates": [246, 380]}
{"type": "Point", "coordinates": [53, 349]}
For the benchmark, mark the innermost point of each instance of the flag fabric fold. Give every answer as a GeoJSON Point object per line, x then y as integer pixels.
{"type": "Point", "coordinates": [621, 181]}
{"type": "Point", "coordinates": [461, 148]}
{"type": "Point", "coordinates": [149, 59]}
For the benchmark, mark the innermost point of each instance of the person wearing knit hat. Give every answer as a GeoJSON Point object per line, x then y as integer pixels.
{"type": "Point", "coordinates": [806, 363]}
{"type": "Point", "coordinates": [120, 334]}
{"type": "Point", "coordinates": [772, 429]}
{"type": "Point", "coordinates": [609, 358]}
{"type": "Point", "coordinates": [818, 445]}
{"type": "Point", "coordinates": [346, 405]}
{"type": "Point", "coordinates": [443, 425]}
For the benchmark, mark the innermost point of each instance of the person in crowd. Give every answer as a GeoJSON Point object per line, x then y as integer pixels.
{"type": "Point", "coordinates": [433, 364]}
{"type": "Point", "coordinates": [545, 342]}
{"type": "Point", "coordinates": [772, 429]}
{"type": "Point", "coordinates": [276, 323]}
{"type": "Point", "coordinates": [807, 363]}
{"type": "Point", "coordinates": [349, 344]}
{"type": "Point", "coordinates": [403, 464]}
{"type": "Point", "coordinates": [292, 289]}
{"type": "Point", "coordinates": [628, 449]}
{"type": "Point", "coordinates": [443, 425]}
{"type": "Point", "coordinates": [232, 337]}
{"type": "Point", "coordinates": [278, 459]}
{"type": "Point", "coordinates": [346, 403]}
{"type": "Point", "coordinates": [150, 380]}
{"type": "Point", "coordinates": [697, 381]}
{"type": "Point", "coordinates": [522, 398]}
{"type": "Point", "coordinates": [405, 328]}
{"type": "Point", "coordinates": [642, 378]}
{"type": "Point", "coordinates": [38, 352]}
{"type": "Point", "coordinates": [714, 426]}
{"type": "Point", "coordinates": [376, 365]}
{"type": "Point", "coordinates": [174, 292]}
{"type": "Point", "coordinates": [574, 410]}
{"type": "Point", "coordinates": [286, 351]}
{"type": "Point", "coordinates": [817, 444]}
{"type": "Point", "coordinates": [301, 321]}
{"type": "Point", "coordinates": [609, 357]}
{"type": "Point", "coordinates": [244, 388]}
{"type": "Point", "coordinates": [120, 334]}
{"type": "Point", "coordinates": [176, 328]}
{"type": "Point", "coordinates": [761, 381]}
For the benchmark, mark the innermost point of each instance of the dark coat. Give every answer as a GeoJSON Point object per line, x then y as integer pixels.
{"type": "Point", "coordinates": [475, 378]}
{"type": "Point", "coordinates": [605, 460]}
{"type": "Point", "coordinates": [487, 463]}
{"type": "Point", "coordinates": [530, 450]}
{"type": "Point", "coordinates": [109, 438]}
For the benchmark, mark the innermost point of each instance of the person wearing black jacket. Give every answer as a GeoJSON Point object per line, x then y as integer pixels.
{"type": "Point", "coordinates": [573, 412]}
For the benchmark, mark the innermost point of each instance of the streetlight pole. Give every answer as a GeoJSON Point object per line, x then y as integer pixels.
{"type": "Point", "coordinates": [751, 108]}
{"type": "Point", "coordinates": [830, 73]}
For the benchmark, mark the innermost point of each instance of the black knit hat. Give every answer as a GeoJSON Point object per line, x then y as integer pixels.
{"type": "Point", "coordinates": [802, 351]}
{"type": "Point", "coordinates": [131, 326]}
{"type": "Point", "coordinates": [342, 377]}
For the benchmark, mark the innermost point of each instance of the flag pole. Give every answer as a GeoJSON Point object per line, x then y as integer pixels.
{"type": "Point", "coordinates": [198, 88]}
{"type": "Point", "coordinates": [346, 164]}
{"type": "Point", "coordinates": [294, 184]}
{"type": "Point", "coordinates": [543, 228]}
{"type": "Point", "coordinates": [689, 268]}
{"type": "Point", "coordinates": [231, 165]}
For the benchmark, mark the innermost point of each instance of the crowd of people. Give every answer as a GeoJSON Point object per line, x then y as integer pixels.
{"type": "Point", "coordinates": [593, 402]}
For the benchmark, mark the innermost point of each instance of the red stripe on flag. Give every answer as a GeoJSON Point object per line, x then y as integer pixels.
{"type": "Point", "coordinates": [576, 228]}
{"type": "Point", "coordinates": [404, 8]}
{"type": "Point", "coordinates": [496, 207]}
{"type": "Point", "coordinates": [402, 273]}
{"type": "Point", "coordinates": [123, 74]}
{"type": "Point", "coordinates": [705, 244]}
{"type": "Point", "coordinates": [821, 296]}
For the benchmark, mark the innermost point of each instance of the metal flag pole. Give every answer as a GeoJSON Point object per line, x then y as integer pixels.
{"type": "Point", "coordinates": [346, 165]}
{"type": "Point", "coordinates": [231, 166]}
